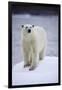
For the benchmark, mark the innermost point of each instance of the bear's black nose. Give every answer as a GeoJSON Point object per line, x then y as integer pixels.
{"type": "Point", "coordinates": [29, 30]}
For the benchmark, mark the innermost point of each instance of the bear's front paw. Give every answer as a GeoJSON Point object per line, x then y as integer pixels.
{"type": "Point", "coordinates": [32, 68]}
{"type": "Point", "coordinates": [26, 65]}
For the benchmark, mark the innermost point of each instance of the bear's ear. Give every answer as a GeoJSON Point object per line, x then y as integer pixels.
{"type": "Point", "coordinates": [32, 25]}
{"type": "Point", "coordinates": [22, 26]}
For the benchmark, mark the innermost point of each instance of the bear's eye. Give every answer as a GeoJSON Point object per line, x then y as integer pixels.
{"type": "Point", "coordinates": [30, 27]}
{"type": "Point", "coordinates": [26, 27]}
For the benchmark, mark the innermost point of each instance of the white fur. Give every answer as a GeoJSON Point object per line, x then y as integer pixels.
{"type": "Point", "coordinates": [33, 44]}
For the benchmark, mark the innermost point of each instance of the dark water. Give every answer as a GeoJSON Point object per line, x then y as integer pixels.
{"type": "Point", "coordinates": [49, 23]}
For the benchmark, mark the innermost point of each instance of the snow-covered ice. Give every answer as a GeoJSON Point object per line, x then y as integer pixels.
{"type": "Point", "coordinates": [46, 72]}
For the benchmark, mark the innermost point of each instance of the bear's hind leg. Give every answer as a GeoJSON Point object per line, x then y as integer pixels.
{"type": "Point", "coordinates": [42, 54]}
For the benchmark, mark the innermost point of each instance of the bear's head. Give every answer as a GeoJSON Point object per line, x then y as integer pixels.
{"type": "Point", "coordinates": [27, 28]}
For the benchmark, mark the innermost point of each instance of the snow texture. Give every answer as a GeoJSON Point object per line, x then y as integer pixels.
{"type": "Point", "coordinates": [46, 72]}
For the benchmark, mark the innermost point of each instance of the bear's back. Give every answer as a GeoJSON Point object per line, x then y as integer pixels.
{"type": "Point", "coordinates": [40, 35]}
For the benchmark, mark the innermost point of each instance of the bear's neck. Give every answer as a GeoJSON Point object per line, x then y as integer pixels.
{"type": "Point", "coordinates": [29, 38]}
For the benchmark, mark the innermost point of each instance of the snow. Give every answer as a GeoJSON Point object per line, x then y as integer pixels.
{"type": "Point", "coordinates": [46, 72]}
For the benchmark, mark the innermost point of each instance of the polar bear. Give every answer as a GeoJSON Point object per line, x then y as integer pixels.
{"type": "Point", "coordinates": [33, 44]}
